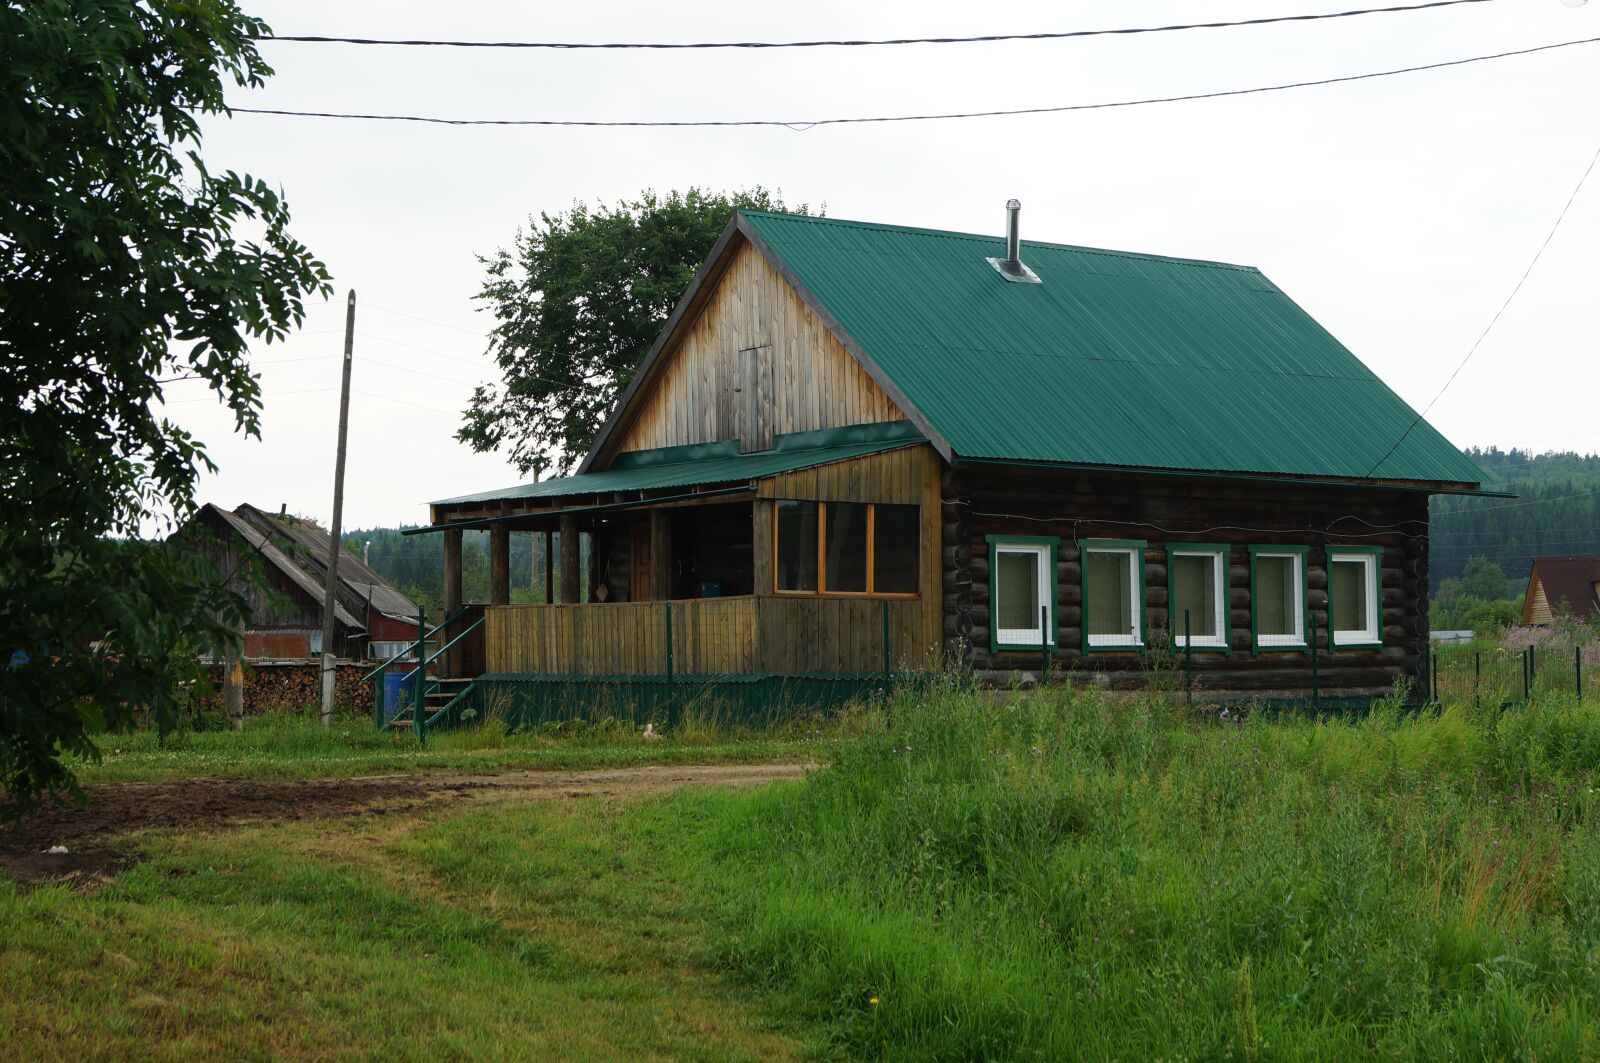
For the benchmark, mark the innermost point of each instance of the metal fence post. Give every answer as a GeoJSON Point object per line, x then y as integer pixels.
{"type": "Point", "coordinates": [886, 676]}
{"type": "Point", "coordinates": [1477, 671]}
{"type": "Point", "coordinates": [1526, 681]}
{"type": "Point", "coordinates": [671, 704]}
{"type": "Point", "coordinates": [419, 718]}
{"type": "Point", "coordinates": [1315, 691]}
{"type": "Point", "coordinates": [1188, 660]}
{"type": "Point", "coordinates": [1044, 643]}
{"type": "Point", "coordinates": [1577, 672]}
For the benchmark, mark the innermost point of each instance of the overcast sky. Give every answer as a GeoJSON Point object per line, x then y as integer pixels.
{"type": "Point", "coordinates": [1398, 211]}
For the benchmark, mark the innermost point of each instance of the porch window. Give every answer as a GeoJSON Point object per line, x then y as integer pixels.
{"type": "Point", "coordinates": [846, 548]}
{"type": "Point", "coordinates": [1353, 596]}
{"type": "Point", "coordinates": [1278, 596]}
{"type": "Point", "coordinates": [1113, 593]}
{"type": "Point", "coordinates": [797, 541]}
{"type": "Point", "coordinates": [1022, 586]}
{"type": "Point", "coordinates": [1197, 587]}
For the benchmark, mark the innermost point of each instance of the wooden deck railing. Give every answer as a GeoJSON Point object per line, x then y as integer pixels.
{"type": "Point", "coordinates": [710, 636]}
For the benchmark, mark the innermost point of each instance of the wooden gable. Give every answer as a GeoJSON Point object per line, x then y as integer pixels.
{"type": "Point", "coordinates": [753, 362]}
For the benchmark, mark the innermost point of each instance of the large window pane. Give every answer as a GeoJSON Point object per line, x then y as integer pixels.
{"type": "Point", "coordinates": [797, 546]}
{"type": "Point", "coordinates": [1109, 587]}
{"type": "Point", "coordinates": [1348, 580]}
{"type": "Point", "coordinates": [1016, 589]}
{"type": "Point", "coordinates": [845, 547]}
{"type": "Point", "coordinates": [894, 545]}
{"type": "Point", "coordinates": [1194, 590]}
{"type": "Point", "coordinates": [1277, 594]}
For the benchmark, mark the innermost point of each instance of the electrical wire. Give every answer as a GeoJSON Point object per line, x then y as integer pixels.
{"type": "Point", "coordinates": [873, 43]}
{"type": "Point", "coordinates": [800, 125]}
{"type": "Point", "coordinates": [1537, 255]}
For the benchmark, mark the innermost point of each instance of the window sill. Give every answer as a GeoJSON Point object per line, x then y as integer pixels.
{"type": "Point", "coordinates": [1363, 643]}
{"type": "Point", "coordinates": [1202, 647]}
{"type": "Point", "coordinates": [1286, 647]}
{"type": "Point", "coordinates": [1114, 647]}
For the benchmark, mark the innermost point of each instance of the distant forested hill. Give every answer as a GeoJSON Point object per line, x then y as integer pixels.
{"type": "Point", "coordinates": [1557, 512]}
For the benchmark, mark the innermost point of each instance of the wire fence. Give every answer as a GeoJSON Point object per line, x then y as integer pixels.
{"type": "Point", "coordinates": [1514, 671]}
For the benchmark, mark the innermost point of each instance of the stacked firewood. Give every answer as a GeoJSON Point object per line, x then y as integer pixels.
{"type": "Point", "coordinates": [293, 686]}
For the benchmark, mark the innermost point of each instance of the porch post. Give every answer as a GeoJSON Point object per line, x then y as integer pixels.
{"type": "Point", "coordinates": [549, 568]}
{"type": "Point", "coordinates": [569, 559]}
{"type": "Point", "coordinates": [660, 555]}
{"type": "Point", "coordinates": [499, 564]}
{"type": "Point", "coordinates": [761, 533]}
{"type": "Point", "coordinates": [452, 590]}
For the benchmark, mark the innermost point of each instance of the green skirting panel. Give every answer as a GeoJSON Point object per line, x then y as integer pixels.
{"type": "Point", "coordinates": [525, 700]}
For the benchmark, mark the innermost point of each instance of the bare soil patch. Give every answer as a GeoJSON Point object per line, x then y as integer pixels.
{"type": "Point", "coordinates": [89, 833]}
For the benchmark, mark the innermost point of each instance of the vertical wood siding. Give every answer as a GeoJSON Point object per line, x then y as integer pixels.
{"type": "Point", "coordinates": [807, 379]}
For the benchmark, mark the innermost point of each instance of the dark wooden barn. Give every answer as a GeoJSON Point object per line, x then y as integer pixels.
{"type": "Point", "coordinates": [856, 443]}
{"type": "Point", "coordinates": [371, 618]}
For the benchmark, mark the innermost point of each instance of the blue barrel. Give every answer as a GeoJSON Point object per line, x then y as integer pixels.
{"type": "Point", "coordinates": [398, 682]}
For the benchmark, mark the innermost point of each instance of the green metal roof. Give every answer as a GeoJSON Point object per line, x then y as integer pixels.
{"type": "Point", "coordinates": [710, 464]}
{"type": "Point", "coordinates": [1114, 359]}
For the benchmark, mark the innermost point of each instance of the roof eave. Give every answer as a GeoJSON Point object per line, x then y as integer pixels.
{"type": "Point", "coordinates": [1440, 487]}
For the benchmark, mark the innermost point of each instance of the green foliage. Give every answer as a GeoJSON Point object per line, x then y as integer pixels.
{"type": "Point", "coordinates": [121, 263]}
{"type": "Point", "coordinates": [577, 300]}
{"type": "Point", "coordinates": [1066, 876]}
{"type": "Point", "coordinates": [1477, 600]}
{"type": "Point", "coordinates": [1562, 519]}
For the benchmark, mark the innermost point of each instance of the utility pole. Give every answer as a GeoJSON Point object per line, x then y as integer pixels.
{"type": "Point", "coordinates": [329, 598]}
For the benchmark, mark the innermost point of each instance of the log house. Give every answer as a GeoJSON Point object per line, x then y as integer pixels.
{"type": "Point", "coordinates": [855, 444]}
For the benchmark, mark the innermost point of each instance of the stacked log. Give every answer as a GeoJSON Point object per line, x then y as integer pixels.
{"type": "Point", "coordinates": [293, 686]}
{"type": "Point", "coordinates": [1236, 515]}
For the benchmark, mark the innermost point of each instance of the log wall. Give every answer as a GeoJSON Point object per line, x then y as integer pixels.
{"type": "Point", "coordinates": [981, 502]}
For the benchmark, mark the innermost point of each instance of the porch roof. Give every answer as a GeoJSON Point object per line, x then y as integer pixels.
{"type": "Point", "coordinates": [711, 463]}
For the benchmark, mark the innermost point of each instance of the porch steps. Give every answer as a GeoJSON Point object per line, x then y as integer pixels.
{"type": "Point", "coordinates": [445, 691]}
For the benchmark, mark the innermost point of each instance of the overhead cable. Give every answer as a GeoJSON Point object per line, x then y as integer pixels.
{"type": "Point", "coordinates": [804, 124]}
{"type": "Point", "coordinates": [1551, 235]}
{"type": "Point", "coordinates": [985, 39]}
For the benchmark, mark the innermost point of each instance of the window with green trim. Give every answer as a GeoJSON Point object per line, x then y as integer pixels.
{"type": "Point", "coordinates": [1113, 594]}
{"type": "Point", "coordinates": [1354, 594]}
{"type": "Point", "coordinates": [1278, 597]}
{"type": "Point", "coordinates": [1197, 581]}
{"type": "Point", "coordinates": [1022, 592]}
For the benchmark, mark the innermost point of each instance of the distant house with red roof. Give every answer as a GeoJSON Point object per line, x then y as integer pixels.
{"type": "Point", "coordinates": [1559, 586]}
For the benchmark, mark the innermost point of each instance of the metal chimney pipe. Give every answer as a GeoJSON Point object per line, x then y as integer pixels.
{"type": "Point", "coordinates": [1013, 260]}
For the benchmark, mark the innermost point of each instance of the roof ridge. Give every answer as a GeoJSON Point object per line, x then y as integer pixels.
{"type": "Point", "coordinates": [953, 234]}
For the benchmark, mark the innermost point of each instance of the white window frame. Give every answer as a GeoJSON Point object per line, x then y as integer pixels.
{"type": "Point", "coordinates": [1372, 633]}
{"type": "Point", "coordinates": [1134, 638]}
{"type": "Point", "coordinates": [1297, 579]}
{"type": "Point", "coordinates": [1219, 576]}
{"type": "Point", "coordinates": [1025, 637]}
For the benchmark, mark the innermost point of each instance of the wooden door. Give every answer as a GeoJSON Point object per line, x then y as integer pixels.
{"type": "Point", "coordinates": [639, 552]}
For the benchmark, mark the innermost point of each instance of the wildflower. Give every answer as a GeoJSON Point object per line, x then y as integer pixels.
{"type": "Point", "coordinates": [873, 1001]}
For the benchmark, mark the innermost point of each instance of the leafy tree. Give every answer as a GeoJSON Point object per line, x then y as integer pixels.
{"type": "Point", "coordinates": [120, 266]}
{"type": "Point", "coordinates": [1484, 579]}
{"type": "Point", "coordinates": [578, 299]}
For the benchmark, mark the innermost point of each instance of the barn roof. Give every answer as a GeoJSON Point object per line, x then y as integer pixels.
{"type": "Point", "coordinates": [1115, 359]}
{"type": "Point", "coordinates": [299, 549]}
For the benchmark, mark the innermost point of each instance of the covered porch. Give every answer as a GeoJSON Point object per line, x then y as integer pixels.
{"type": "Point", "coordinates": [818, 557]}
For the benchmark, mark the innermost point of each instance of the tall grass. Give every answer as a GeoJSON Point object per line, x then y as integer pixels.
{"type": "Point", "coordinates": [1060, 876]}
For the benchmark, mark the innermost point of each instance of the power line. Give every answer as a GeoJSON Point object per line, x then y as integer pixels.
{"type": "Point", "coordinates": [986, 39]}
{"type": "Point", "coordinates": [800, 125]}
{"type": "Point", "coordinates": [1497, 314]}
{"type": "Point", "coordinates": [429, 320]}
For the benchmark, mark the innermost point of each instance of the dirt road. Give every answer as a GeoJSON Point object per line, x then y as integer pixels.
{"type": "Point", "coordinates": [89, 834]}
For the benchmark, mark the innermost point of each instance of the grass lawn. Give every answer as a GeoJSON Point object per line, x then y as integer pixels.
{"type": "Point", "coordinates": [1053, 877]}
{"type": "Point", "coordinates": [548, 930]}
{"type": "Point", "coordinates": [295, 745]}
